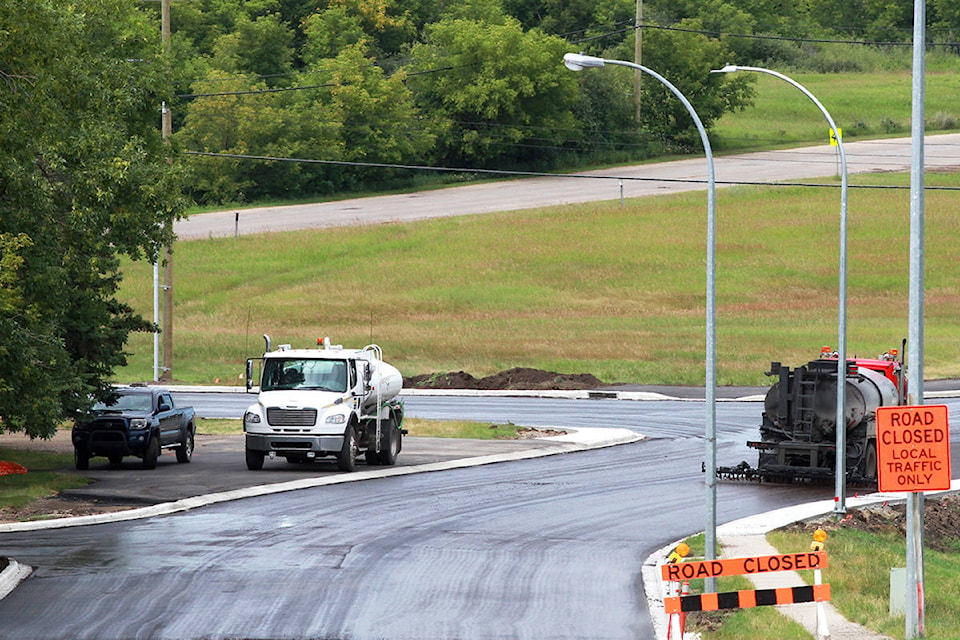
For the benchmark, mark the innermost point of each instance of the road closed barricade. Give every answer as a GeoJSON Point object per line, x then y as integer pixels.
{"type": "Point", "coordinates": [676, 572]}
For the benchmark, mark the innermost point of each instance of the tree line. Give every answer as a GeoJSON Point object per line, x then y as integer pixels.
{"type": "Point", "coordinates": [355, 87]}
{"type": "Point", "coordinates": [474, 84]}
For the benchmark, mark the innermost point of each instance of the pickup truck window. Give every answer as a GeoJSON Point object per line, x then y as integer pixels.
{"type": "Point", "coordinates": [320, 374]}
{"type": "Point", "coordinates": [128, 402]}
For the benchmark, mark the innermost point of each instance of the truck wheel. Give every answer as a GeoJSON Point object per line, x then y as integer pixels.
{"type": "Point", "coordinates": [870, 461]}
{"type": "Point", "coordinates": [391, 445]}
{"type": "Point", "coordinates": [185, 450]}
{"type": "Point", "coordinates": [151, 453]}
{"type": "Point", "coordinates": [254, 460]}
{"type": "Point", "coordinates": [81, 459]}
{"type": "Point", "coordinates": [347, 458]}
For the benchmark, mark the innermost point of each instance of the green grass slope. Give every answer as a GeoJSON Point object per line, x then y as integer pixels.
{"type": "Point", "coordinates": [617, 291]}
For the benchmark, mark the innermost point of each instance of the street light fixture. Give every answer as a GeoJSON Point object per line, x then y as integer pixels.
{"type": "Point", "coordinates": [578, 62]}
{"type": "Point", "coordinates": [840, 500]}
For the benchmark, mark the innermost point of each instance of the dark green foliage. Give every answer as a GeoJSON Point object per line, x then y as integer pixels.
{"type": "Point", "coordinates": [83, 178]}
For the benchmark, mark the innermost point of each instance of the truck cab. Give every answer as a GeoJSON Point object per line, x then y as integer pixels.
{"type": "Point", "coordinates": [328, 401]}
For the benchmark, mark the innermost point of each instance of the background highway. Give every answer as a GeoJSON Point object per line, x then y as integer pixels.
{"type": "Point", "coordinates": [545, 548]}
{"type": "Point", "coordinates": [940, 152]}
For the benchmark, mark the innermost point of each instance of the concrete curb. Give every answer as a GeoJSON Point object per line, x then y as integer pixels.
{"type": "Point", "coordinates": [586, 394]}
{"type": "Point", "coordinates": [11, 576]}
{"type": "Point", "coordinates": [583, 439]}
{"type": "Point", "coordinates": [580, 440]}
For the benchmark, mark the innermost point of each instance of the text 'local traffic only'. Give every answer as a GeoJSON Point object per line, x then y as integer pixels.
{"type": "Point", "coordinates": [913, 448]}
{"type": "Point", "coordinates": [677, 572]}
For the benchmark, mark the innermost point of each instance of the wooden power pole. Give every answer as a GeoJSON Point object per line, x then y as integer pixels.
{"type": "Point", "coordinates": [638, 58]}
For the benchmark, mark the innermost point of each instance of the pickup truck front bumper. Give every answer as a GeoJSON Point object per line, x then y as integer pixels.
{"type": "Point", "coordinates": [107, 442]}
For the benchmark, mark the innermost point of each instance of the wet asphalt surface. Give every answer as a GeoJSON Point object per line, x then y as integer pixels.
{"type": "Point", "coordinates": [219, 464]}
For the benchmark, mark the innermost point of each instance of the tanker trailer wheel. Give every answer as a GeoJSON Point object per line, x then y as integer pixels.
{"type": "Point", "coordinates": [389, 445]}
{"type": "Point", "coordinates": [254, 460]}
{"type": "Point", "coordinates": [870, 461]}
{"type": "Point", "coordinates": [347, 458]}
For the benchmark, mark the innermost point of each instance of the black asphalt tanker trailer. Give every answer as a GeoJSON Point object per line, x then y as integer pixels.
{"type": "Point", "coordinates": [798, 431]}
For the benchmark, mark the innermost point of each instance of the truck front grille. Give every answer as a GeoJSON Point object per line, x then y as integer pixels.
{"type": "Point", "coordinates": [109, 424]}
{"type": "Point", "coordinates": [277, 417]}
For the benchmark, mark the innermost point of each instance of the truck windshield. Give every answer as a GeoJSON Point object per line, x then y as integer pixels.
{"type": "Point", "coordinates": [324, 375]}
{"type": "Point", "coordinates": [127, 402]}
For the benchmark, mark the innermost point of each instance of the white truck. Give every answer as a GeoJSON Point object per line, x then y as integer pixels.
{"type": "Point", "coordinates": [327, 401]}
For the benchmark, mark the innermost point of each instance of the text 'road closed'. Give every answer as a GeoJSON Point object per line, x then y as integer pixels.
{"type": "Point", "coordinates": [742, 566]}
{"type": "Point", "coordinates": [913, 448]}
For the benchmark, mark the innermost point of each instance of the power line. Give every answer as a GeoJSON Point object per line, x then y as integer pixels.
{"type": "Point", "coordinates": [541, 174]}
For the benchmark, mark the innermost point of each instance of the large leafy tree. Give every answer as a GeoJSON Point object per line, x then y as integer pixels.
{"type": "Point", "coordinates": [685, 59]}
{"type": "Point", "coordinates": [84, 180]}
{"type": "Point", "coordinates": [500, 95]}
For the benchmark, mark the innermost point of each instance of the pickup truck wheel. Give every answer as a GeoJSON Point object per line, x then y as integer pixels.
{"type": "Point", "coordinates": [151, 453]}
{"type": "Point", "coordinates": [347, 458]}
{"type": "Point", "coordinates": [81, 459]}
{"type": "Point", "coordinates": [254, 460]}
{"type": "Point", "coordinates": [185, 450]}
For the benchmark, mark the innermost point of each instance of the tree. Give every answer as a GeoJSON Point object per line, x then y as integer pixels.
{"type": "Point", "coordinates": [685, 59]}
{"type": "Point", "coordinates": [500, 94]}
{"type": "Point", "coordinates": [262, 47]}
{"type": "Point", "coordinates": [84, 180]}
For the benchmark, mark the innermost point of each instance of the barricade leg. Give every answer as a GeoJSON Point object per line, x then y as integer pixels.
{"type": "Point", "coordinates": [823, 631]}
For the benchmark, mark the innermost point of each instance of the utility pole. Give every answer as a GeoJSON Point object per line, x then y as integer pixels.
{"type": "Point", "coordinates": [637, 58]}
{"type": "Point", "coordinates": [166, 128]}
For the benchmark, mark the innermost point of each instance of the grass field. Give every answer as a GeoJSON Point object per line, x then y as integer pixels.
{"type": "Point", "coordinates": [596, 288]}
{"type": "Point", "coordinates": [861, 104]}
{"type": "Point", "coordinates": [859, 579]}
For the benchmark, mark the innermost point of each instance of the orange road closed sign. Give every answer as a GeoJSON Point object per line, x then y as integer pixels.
{"type": "Point", "coordinates": [741, 566]}
{"type": "Point", "coordinates": [913, 448]}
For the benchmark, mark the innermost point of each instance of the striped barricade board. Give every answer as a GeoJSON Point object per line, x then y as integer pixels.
{"type": "Point", "coordinates": [747, 599]}
{"type": "Point", "coordinates": [679, 571]}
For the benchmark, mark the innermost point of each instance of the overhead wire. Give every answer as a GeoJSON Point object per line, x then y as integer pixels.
{"type": "Point", "coordinates": [542, 174]}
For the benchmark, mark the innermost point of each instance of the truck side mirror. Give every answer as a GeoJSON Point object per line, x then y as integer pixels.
{"type": "Point", "coordinates": [163, 407]}
{"type": "Point", "coordinates": [367, 376]}
{"type": "Point", "coordinates": [249, 374]}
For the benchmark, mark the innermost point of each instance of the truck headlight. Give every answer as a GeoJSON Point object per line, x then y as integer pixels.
{"type": "Point", "coordinates": [251, 417]}
{"type": "Point", "coordinates": [337, 418]}
{"type": "Point", "coordinates": [138, 423]}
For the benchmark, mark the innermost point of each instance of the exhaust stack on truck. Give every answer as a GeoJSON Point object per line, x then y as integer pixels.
{"type": "Point", "coordinates": [327, 401]}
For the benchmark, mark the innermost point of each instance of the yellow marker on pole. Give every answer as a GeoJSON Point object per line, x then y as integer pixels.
{"type": "Point", "coordinates": [819, 540]}
{"type": "Point", "coordinates": [679, 553]}
{"type": "Point", "coordinates": [834, 135]}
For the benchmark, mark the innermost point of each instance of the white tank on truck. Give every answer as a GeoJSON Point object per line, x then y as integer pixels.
{"type": "Point", "coordinates": [326, 401]}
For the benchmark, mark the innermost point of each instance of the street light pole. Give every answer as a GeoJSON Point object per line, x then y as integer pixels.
{"type": "Point", "coordinates": [840, 500]}
{"type": "Point", "coordinates": [166, 129]}
{"type": "Point", "coordinates": [577, 62]}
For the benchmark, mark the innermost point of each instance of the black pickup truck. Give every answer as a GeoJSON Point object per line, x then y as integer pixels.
{"type": "Point", "coordinates": [135, 421]}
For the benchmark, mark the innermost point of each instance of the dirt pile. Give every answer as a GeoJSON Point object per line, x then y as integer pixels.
{"type": "Point", "coordinates": [517, 378]}
{"type": "Point", "coordinates": [941, 522]}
